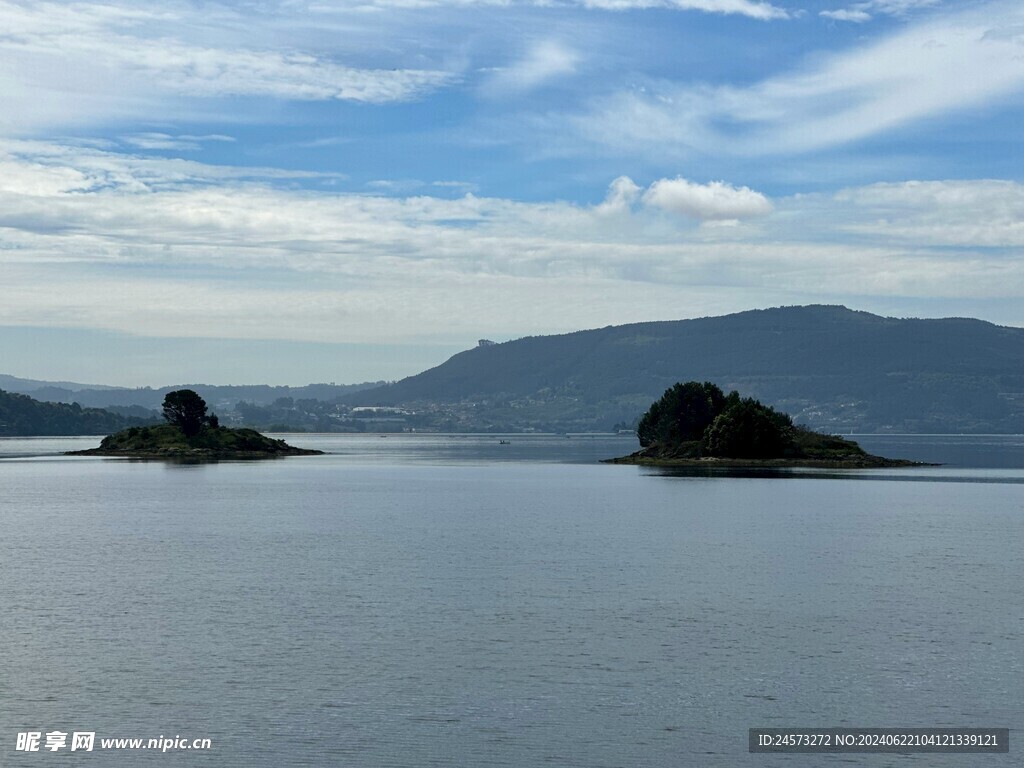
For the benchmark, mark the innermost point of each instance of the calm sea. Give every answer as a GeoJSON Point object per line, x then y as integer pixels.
{"type": "Point", "coordinates": [453, 601]}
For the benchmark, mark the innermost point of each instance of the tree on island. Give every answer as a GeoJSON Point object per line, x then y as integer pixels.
{"type": "Point", "coordinates": [186, 410]}
{"type": "Point", "coordinates": [746, 429]}
{"type": "Point", "coordinates": [698, 419]}
{"type": "Point", "coordinates": [682, 414]}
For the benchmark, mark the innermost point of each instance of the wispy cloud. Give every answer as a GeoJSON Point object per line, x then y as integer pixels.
{"type": "Point", "coordinates": [545, 61]}
{"type": "Point", "coordinates": [165, 141]}
{"type": "Point", "coordinates": [865, 11]}
{"type": "Point", "coordinates": [102, 61]}
{"type": "Point", "coordinates": [942, 65]}
{"type": "Point", "coordinates": [67, 66]}
{"type": "Point", "coordinates": [462, 186]}
{"type": "Point", "coordinates": [755, 10]}
{"type": "Point", "coordinates": [856, 15]}
{"type": "Point", "coordinates": [59, 169]}
{"type": "Point", "coordinates": [395, 186]}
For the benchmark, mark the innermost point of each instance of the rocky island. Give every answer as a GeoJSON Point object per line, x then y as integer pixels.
{"type": "Point", "coordinates": [696, 424]}
{"type": "Point", "coordinates": [191, 435]}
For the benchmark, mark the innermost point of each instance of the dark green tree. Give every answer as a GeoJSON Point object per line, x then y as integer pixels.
{"type": "Point", "coordinates": [682, 414]}
{"type": "Point", "coordinates": [746, 429]}
{"type": "Point", "coordinates": [185, 409]}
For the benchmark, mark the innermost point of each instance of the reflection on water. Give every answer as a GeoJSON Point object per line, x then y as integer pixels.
{"type": "Point", "coordinates": [902, 474]}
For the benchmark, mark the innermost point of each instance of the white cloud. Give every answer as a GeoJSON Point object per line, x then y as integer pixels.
{"type": "Point", "coordinates": [545, 61]}
{"type": "Point", "coordinates": [68, 65]}
{"type": "Point", "coordinates": [855, 15]}
{"type": "Point", "coordinates": [395, 186]}
{"type": "Point", "coordinates": [752, 8]}
{"type": "Point", "coordinates": [237, 72]}
{"type": "Point", "coordinates": [974, 213]}
{"type": "Point", "coordinates": [712, 202]}
{"type": "Point", "coordinates": [461, 186]}
{"type": "Point", "coordinates": [622, 193]}
{"type": "Point", "coordinates": [755, 10]}
{"type": "Point", "coordinates": [84, 62]}
{"type": "Point", "coordinates": [946, 64]}
{"type": "Point", "coordinates": [716, 201]}
{"type": "Point", "coordinates": [899, 7]}
{"type": "Point", "coordinates": [164, 141]}
{"type": "Point", "coordinates": [71, 169]}
{"type": "Point", "coordinates": [862, 12]}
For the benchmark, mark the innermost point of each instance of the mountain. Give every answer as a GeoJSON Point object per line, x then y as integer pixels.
{"type": "Point", "coordinates": [830, 367]}
{"type": "Point", "coordinates": [23, 415]}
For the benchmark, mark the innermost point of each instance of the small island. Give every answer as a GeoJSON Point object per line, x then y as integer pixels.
{"type": "Point", "coordinates": [190, 434]}
{"type": "Point", "coordinates": [697, 425]}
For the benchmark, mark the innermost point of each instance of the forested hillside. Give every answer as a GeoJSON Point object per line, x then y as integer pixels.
{"type": "Point", "coordinates": [22, 415]}
{"type": "Point", "coordinates": [830, 367]}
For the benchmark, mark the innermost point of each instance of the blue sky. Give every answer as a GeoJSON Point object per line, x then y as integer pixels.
{"type": "Point", "coordinates": [287, 192]}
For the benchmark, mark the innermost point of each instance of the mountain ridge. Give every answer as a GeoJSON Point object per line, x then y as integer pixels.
{"type": "Point", "coordinates": [890, 373]}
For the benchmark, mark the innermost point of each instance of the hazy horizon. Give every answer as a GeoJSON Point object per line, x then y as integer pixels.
{"type": "Point", "coordinates": [397, 359]}
{"type": "Point", "coordinates": [125, 361]}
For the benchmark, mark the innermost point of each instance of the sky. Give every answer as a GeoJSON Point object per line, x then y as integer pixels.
{"type": "Point", "coordinates": [292, 192]}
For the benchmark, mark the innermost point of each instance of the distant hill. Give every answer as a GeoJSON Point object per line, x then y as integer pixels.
{"type": "Point", "coordinates": [22, 415]}
{"type": "Point", "coordinates": [830, 367]}
{"type": "Point", "coordinates": [223, 397]}
{"type": "Point", "coordinates": [27, 386]}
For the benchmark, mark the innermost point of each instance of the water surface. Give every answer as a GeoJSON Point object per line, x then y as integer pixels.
{"type": "Point", "coordinates": [418, 601]}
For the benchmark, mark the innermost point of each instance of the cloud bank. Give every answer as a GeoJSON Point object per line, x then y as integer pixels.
{"type": "Point", "coordinates": [164, 247]}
